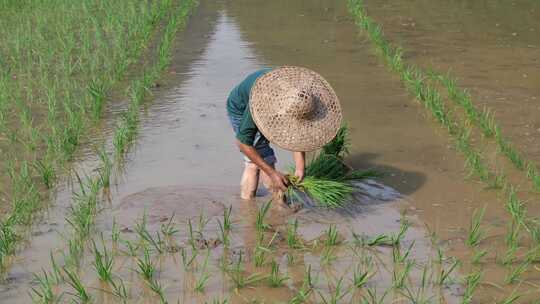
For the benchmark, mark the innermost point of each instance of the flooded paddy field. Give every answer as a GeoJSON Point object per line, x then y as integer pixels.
{"type": "Point", "coordinates": [170, 226]}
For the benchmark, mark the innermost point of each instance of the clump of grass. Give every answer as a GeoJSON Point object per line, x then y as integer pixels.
{"type": "Point", "coordinates": [444, 273]}
{"type": "Point", "coordinates": [331, 236]}
{"type": "Point", "coordinates": [74, 281]}
{"type": "Point", "coordinates": [337, 295]}
{"type": "Point", "coordinates": [327, 193]}
{"type": "Point", "coordinates": [305, 291]}
{"type": "Point", "coordinates": [471, 283]}
{"type": "Point", "coordinates": [275, 279]}
{"type": "Point", "coordinates": [236, 274]}
{"type": "Point", "coordinates": [475, 233]}
{"type": "Point", "coordinates": [202, 280]}
{"type": "Point", "coordinates": [119, 290]}
{"type": "Point", "coordinates": [293, 241]}
{"type": "Point", "coordinates": [44, 292]}
{"type": "Point", "coordinates": [361, 277]}
{"type": "Point", "coordinates": [261, 214]}
{"type": "Point", "coordinates": [477, 256]}
{"type": "Point", "coordinates": [327, 178]}
{"type": "Point", "coordinates": [145, 266]}
{"type": "Point", "coordinates": [103, 263]}
{"type": "Point", "coordinates": [328, 256]}
{"type": "Point", "coordinates": [156, 242]}
{"type": "Point", "coordinates": [188, 261]}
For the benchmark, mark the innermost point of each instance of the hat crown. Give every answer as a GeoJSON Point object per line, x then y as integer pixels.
{"type": "Point", "coordinates": [300, 104]}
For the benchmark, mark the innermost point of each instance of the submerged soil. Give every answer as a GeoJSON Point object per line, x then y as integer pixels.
{"type": "Point", "coordinates": [185, 160]}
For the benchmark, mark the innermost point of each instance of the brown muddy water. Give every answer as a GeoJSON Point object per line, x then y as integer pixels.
{"type": "Point", "coordinates": [185, 163]}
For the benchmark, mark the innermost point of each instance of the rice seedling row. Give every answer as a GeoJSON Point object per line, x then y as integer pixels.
{"type": "Point", "coordinates": [199, 269]}
{"type": "Point", "coordinates": [86, 201]}
{"type": "Point", "coordinates": [69, 58]}
{"type": "Point", "coordinates": [416, 82]}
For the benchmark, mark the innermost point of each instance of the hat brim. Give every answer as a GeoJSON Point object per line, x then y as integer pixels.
{"type": "Point", "coordinates": [286, 130]}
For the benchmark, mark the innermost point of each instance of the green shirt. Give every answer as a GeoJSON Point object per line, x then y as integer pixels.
{"type": "Point", "coordinates": [238, 108]}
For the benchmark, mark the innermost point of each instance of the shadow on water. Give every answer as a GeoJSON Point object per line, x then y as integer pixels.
{"type": "Point", "coordinates": [405, 182]}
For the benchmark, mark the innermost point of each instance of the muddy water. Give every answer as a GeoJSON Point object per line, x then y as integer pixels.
{"type": "Point", "coordinates": [491, 47]}
{"type": "Point", "coordinates": [185, 160]}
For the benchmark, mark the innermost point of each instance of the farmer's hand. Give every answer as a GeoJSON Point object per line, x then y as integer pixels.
{"type": "Point", "coordinates": [279, 181]}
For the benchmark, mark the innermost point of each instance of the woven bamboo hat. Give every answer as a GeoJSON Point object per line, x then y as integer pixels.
{"type": "Point", "coordinates": [295, 108]}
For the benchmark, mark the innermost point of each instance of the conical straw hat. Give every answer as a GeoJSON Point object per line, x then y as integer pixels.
{"type": "Point", "coordinates": [295, 108]}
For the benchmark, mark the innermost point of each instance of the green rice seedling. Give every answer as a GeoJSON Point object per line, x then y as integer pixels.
{"type": "Point", "coordinates": [293, 240]}
{"type": "Point", "coordinates": [326, 166]}
{"type": "Point", "coordinates": [80, 290]}
{"type": "Point", "coordinates": [275, 279]}
{"type": "Point", "coordinates": [44, 292]}
{"type": "Point", "coordinates": [361, 277]}
{"type": "Point", "coordinates": [514, 206]}
{"type": "Point", "coordinates": [188, 261]}
{"type": "Point", "coordinates": [339, 146]}
{"type": "Point", "coordinates": [156, 242]}
{"type": "Point", "coordinates": [337, 295]}
{"type": "Point", "coordinates": [510, 255]}
{"type": "Point", "coordinates": [46, 171]}
{"type": "Point", "coordinates": [105, 170]}
{"type": "Point", "coordinates": [512, 234]}
{"type": "Point", "coordinates": [331, 236]}
{"type": "Point", "coordinates": [96, 90]}
{"type": "Point", "coordinates": [103, 262]}
{"type": "Point", "coordinates": [378, 240]}
{"type": "Point", "coordinates": [403, 228]}
{"type": "Point", "coordinates": [119, 290]}
{"type": "Point", "coordinates": [326, 193]}
{"type": "Point", "coordinates": [8, 238]}
{"type": "Point", "coordinates": [290, 259]}
{"type": "Point", "coordinates": [235, 273]}
{"type": "Point", "coordinates": [56, 271]}
{"type": "Point", "coordinates": [400, 274]}
{"type": "Point", "coordinates": [259, 255]}
{"type": "Point", "coordinates": [200, 284]}
{"type": "Point", "coordinates": [115, 232]}
{"type": "Point", "coordinates": [261, 214]}
{"type": "Point", "coordinates": [75, 251]}
{"type": "Point", "coordinates": [223, 234]}
{"type": "Point", "coordinates": [203, 221]}
{"type": "Point", "coordinates": [533, 175]}
{"type": "Point", "coordinates": [475, 235]}
{"type": "Point", "coordinates": [515, 272]}
{"type": "Point", "coordinates": [145, 266]}
{"type": "Point", "coordinates": [191, 236]}
{"type": "Point", "coordinates": [444, 273]}
{"type": "Point", "coordinates": [227, 222]}
{"type": "Point", "coordinates": [261, 252]}
{"type": "Point", "coordinates": [328, 256]}
{"type": "Point", "coordinates": [512, 298]}
{"type": "Point", "coordinates": [121, 138]}
{"type": "Point", "coordinates": [131, 248]}
{"type": "Point", "coordinates": [398, 257]}
{"type": "Point", "coordinates": [157, 288]}
{"type": "Point", "coordinates": [477, 256]}
{"type": "Point", "coordinates": [418, 296]}
{"type": "Point", "coordinates": [471, 283]}
{"type": "Point", "coordinates": [371, 296]}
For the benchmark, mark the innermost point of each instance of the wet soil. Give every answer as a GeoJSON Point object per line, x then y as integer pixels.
{"type": "Point", "coordinates": [185, 160]}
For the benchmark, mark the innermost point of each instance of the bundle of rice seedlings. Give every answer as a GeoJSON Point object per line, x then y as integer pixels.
{"type": "Point", "coordinates": [328, 180]}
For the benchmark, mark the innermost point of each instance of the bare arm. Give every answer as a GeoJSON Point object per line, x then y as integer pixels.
{"type": "Point", "coordinates": [300, 164]}
{"type": "Point", "coordinates": [279, 180]}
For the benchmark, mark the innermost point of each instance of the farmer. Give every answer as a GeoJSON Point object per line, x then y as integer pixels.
{"type": "Point", "coordinates": [291, 107]}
